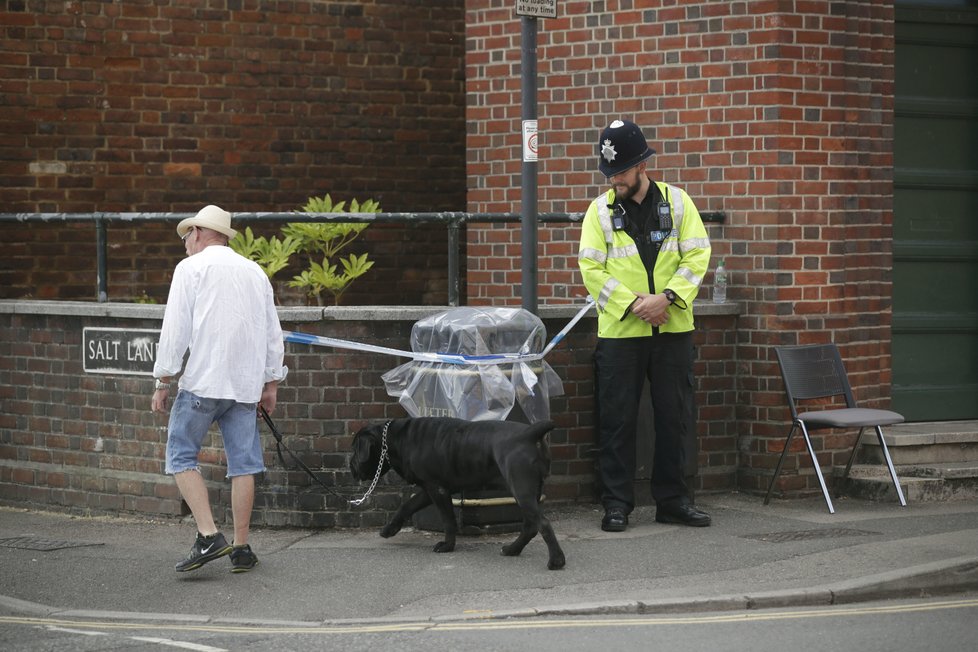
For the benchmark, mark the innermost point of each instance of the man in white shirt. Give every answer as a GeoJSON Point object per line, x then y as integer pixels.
{"type": "Point", "coordinates": [222, 308]}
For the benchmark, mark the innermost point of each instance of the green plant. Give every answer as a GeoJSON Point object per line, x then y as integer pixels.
{"type": "Point", "coordinates": [271, 254]}
{"type": "Point", "coordinates": [324, 277]}
{"type": "Point", "coordinates": [327, 239]}
{"type": "Point", "coordinates": [144, 298]}
{"type": "Point", "coordinates": [315, 239]}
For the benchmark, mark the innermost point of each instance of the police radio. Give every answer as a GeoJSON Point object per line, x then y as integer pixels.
{"type": "Point", "coordinates": [664, 213]}
{"type": "Point", "coordinates": [665, 216]}
{"type": "Point", "coordinates": [658, 234]}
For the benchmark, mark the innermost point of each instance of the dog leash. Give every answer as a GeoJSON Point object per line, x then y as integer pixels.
{"type": "Point", "coordinates": [279, 445]}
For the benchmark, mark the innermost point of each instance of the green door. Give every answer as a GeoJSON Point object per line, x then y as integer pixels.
{"type": "Point", "coordinates": [935, 212]}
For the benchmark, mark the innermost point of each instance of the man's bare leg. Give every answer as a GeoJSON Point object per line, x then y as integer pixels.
{"type": "Point", "coordinates": [194, 492]}
{"type": "Point", "coordinates": [242, 502]}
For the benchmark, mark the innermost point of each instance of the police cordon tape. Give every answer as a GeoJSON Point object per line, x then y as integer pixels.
{"type": "Point", "coordinates": [447, 358]}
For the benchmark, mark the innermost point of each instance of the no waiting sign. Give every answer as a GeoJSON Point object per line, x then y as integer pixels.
{"type": "Point", "coordinates": [537, 8]}
{"type": "Point", "coordinates": [529, 140]}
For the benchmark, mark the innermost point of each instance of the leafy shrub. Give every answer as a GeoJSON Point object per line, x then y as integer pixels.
{"type": "Point", "coordinates": [314, 239]}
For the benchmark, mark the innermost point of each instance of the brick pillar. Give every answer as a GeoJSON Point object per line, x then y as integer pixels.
{"type": "Point", "coordinates": [777, 113]}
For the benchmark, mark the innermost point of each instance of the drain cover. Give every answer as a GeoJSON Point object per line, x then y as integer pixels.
{"type": "Point", "coordinates": [807, 535]}
{"type": "Point", "coordinates": [43, 545]}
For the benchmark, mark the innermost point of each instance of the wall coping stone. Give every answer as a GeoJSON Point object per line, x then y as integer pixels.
{"type": "Point", "coordinates": [296, 314]}
{"type": "Point", "coordinates": [129, 310]}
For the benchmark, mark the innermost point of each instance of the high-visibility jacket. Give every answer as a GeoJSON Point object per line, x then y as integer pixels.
{"type": "Point", "coordinates": [613, 270]}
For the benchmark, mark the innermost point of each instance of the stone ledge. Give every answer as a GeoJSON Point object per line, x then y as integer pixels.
{"type": "Point", "coordinates": [924, 434]}
{"type": "Point", "coordinates": [546, 311]}
{"type": "Point", "coordinates": [129, 310]}
{"type": "Point", "coordinates": [935, 471]}
{"type": "Point", "coordinates": [294, 314]}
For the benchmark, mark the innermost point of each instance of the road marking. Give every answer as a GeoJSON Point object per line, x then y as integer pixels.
{"type": "Point", "coordinates": [67, 630]}
{"type": "Point", "coordinates": [527, 623]}
{"type": "Point", "coordinates": [143, 639]}
{"type": "Point", "coordinates": [734, 616]}
{"type": "Point", "coordinates": [181, 644]}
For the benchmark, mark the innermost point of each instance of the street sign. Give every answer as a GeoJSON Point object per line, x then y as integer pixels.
{"type": "Point", "coordinates": [537, 8]}
{"type": "Point", "coordinates": [123, 351]}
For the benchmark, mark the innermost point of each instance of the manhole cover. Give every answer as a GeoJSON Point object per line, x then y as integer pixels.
{"type": "Point", "coordinates": [807, 535]}
{"type": "Point", "coordinates": [43, 545]}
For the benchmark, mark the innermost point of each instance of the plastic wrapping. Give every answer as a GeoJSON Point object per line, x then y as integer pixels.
{"type": "Point", "coordinates": [476, 392]}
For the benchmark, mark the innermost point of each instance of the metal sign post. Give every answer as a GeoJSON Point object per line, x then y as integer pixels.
{"type": "Point", "coordinates": [528, 202]}
{"type": "Point", "coordinates": [529, 11]}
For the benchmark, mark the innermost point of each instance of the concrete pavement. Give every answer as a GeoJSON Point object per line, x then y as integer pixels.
{"type": "Point", "coordinates": [789, 553]}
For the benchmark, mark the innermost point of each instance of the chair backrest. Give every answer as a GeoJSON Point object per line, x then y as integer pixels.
{"type": "Point", "coordinates": [813, 371]}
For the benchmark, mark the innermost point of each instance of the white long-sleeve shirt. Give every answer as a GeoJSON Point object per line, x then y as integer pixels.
{"type": "Point", "coordinates": [222, 308]}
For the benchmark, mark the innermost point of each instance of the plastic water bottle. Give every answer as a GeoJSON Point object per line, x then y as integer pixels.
{"type": "Point", "coordinates": [720, 283]}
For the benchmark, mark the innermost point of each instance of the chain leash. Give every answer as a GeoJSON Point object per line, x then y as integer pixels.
{"type": "Point", "coordinates": [380, 466]}
{"type": "Point", "coordinates": [279, 445]}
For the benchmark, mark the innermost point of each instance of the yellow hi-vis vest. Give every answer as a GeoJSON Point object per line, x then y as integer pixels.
{"type": "Point", "coordinates": [613, 271]}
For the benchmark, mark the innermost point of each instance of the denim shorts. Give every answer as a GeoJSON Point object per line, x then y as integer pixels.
{"type": "Point", "coordinates": [190, 419]}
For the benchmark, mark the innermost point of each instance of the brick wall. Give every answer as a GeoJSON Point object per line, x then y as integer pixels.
{"type": "Point", "coordinates": [88, 442]}
{"type": "Point", "coordinates": [779, 114]}
{"type": "Point", "coordinates": [253, 106]}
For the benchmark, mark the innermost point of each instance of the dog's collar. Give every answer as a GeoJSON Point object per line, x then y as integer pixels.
{"type": "Point", "coordinates": [380, 466]}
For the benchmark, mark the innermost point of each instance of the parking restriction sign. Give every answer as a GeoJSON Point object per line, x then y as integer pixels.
{"type": "Point", "coordinates": [537, 8]}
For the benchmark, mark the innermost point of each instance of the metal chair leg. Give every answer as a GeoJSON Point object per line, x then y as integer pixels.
{"type": "Point", "coordinates": [852, 457]}
{"type": "Point", "coordinates": [818, 471]}
{"type": "Point", "coordinates": [889, 465]}
{"type": "Point", "coordinates": [777, 469]}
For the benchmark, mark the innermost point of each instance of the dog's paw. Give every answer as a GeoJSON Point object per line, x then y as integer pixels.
{"type": "Point", "coordinates": [390, 530]}
{"type": "Point", "coordinates": [556, 563]}
{"type": "Point", "coordinates": [512, 550]}
{"type": "Point", "coordinates": [444, 546]}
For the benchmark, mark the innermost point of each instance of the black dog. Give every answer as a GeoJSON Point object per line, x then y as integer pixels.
{"type": "Point", "coordinates": [443, 456]}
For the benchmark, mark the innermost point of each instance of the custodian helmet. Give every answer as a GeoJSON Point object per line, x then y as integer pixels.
{"type": "Point", "coordinates": [620, 147]}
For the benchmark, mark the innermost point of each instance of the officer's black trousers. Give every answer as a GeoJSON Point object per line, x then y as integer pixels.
{"type": "Point", "coordinates": [621, 367]}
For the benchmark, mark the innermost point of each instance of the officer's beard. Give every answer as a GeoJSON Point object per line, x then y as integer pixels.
{"type": "Point", "coordinates": [627, 190]}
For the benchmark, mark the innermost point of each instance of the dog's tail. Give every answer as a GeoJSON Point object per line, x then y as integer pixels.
{"type": "Point", "coordinates": [536, 431]}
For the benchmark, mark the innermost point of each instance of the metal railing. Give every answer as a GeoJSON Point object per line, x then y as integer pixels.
{"type": "Point", "coordinates": [453, 220]}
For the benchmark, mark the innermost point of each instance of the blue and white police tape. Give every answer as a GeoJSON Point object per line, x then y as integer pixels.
{"type": "Point", "coordinates": [447, 358]}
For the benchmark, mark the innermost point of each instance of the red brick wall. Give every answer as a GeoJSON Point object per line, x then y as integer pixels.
{"type": "Point", "coordinates": [779, 114]}
{"type": "Point", "coordinates": [170, 106]}
{"type": "Point", "coordinates": [53, 415]}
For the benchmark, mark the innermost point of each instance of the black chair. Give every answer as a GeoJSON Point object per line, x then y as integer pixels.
{"type": "Point", "coordinates": [813, 372]}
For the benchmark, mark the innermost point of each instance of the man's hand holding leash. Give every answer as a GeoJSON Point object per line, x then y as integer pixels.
{"type": "Point", "coordinates": [269, 397]}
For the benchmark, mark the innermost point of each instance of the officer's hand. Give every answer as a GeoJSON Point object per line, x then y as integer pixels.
{"type": "Point", "coordinates": [651, 308]}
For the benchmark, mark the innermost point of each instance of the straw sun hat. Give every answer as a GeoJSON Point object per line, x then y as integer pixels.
{"type": "Point", "coordinates": [209, 217]}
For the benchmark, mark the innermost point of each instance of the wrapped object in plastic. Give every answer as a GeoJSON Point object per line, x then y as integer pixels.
{"type": "Point", "coordinates": [476, 392]}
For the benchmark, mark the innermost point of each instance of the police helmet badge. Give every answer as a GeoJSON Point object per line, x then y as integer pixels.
{"type": "Point", "coordinates": [608, 151]}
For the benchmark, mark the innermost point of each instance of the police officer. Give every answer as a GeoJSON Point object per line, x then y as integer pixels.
{"type": "Point", "coordinates": [643, 253]}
